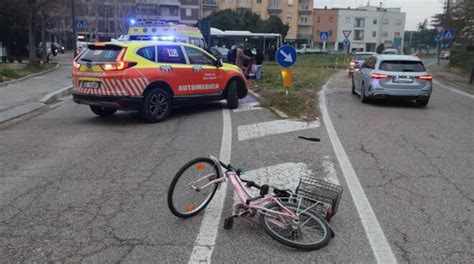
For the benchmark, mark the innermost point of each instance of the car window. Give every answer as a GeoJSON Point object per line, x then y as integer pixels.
{"type": "Point", "coordinates": [370, 62]}
{"type": "Point", "coordinates": [198, 57]}
{"type": "Point", "coordinates": [148, 53]}
{"type": "Point", "coordinates": [402, 66]}
{"type": "Point", "coordinates": [107, 53]}
{"type": "Point", "coordinates": [171, 54]}
{"type": "Point", "coordinates": [362, 56]}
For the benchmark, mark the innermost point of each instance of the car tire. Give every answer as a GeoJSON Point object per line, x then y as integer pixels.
{"type": "Point", "coordinates": [102, 111]}
{"type": "Point", "coordinates": [232, 95]}
{"type": "Point", "coordinates": [363, 98]}
{"type": "Point", "coordinates": [422, 102]}
{"type": "Point", "coordinates": [353, 86]}
{"type": "Point", "coordinates": [156, 106]}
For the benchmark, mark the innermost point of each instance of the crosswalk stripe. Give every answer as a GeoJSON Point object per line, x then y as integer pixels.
{"type": "Point", "coordinates": [257, 130]}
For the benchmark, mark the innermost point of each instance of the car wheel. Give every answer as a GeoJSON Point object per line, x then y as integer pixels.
{"type": "Point", "coordinates": [232, 95]}
{"type": "Point", "coordinates": [363, 98]}
{"type": "Point", "coordinates": [102, 111]}
{"type": "Point", "coordinates": [353, 86]}
{"type": "Point", "coordinates": [156, 106]}
{"type": "Point", "coordinates": [422, 102]}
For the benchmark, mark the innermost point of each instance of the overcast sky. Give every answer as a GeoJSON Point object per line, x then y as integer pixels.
{"type": "Point", "coordinates": [416, 10]}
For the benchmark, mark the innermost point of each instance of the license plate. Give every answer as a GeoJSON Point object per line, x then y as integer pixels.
{"type": "Point", "coordinates": [91, 85]}
{"type": "Point", "coordinates": [402, 79]}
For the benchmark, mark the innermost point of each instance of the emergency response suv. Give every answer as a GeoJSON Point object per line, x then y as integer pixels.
{"type": "Point", "coordinates": [150, 76]}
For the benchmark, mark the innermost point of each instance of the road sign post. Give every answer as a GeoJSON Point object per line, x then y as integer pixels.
{"type": "Point", "coordinates": [438, 39]}
{"type": "Point", "coordinates": [286, 56]}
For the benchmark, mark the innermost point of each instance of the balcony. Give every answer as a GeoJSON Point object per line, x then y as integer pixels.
{"type": "Point", "coordinates": [244, 4]}
{"type": "Point", "coordinates": [304, 36]}
{"type": "Point", "coordinates": [272, 8]}
{"type": "Point", "coordinates": [304, 8]}
{"type": "Point", "coordinates": [308, 23]}
{"type": "Point", "coordinates": [190, 2]}
{"type": "Point", "coordinates": [209, 3]}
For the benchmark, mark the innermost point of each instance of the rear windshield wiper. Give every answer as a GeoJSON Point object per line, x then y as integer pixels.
{"type": "Point", "coordinates": [407, 70]}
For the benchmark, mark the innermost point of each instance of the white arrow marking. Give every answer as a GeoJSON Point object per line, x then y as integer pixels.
{"type": "Point", "coordinates": [288, 57]}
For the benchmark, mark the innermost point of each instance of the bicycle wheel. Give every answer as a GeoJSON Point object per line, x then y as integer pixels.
{"type": "Point", "coordinates": [185, 198]}
{"type": "Point", "coordinates": [309, 232]}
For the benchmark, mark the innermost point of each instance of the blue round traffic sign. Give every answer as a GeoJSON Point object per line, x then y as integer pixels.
{"type": "Point", "coordinates": [286, 56]}
{"type": "Point", "coordinates": [346, 42]}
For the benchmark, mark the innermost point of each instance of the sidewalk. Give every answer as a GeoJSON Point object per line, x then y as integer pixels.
{"type": "Point", "coordinates": [441, 74]}
{"type": "Point", "coordinates": [25, 96]}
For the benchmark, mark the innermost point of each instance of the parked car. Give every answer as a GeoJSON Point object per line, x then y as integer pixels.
{"type": "Point", "coordinates": [219, 52]}
{"type": "Point", "coordinates": [390, 51]}
{"type": "Point", "coordinates": [444, 55]}
{"type": "Point", "coordinates": [357, 59]}
{"type": "Point", "coordinates": [385, 76]}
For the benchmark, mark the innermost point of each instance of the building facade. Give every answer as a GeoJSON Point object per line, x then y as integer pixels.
{"type": "Point", "coordinates": [369, 27]}
{"type": "Point", "coordinates": [296, 13]}
{"type": "Point", "coordinates": [110, 18]}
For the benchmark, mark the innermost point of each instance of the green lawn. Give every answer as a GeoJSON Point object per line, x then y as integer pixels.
{"type": "Point", "coordinates": [310, 72]}
{"type": "Point", "coordinates": [18, 70]}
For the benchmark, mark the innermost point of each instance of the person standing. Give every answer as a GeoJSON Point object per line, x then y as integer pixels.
{"type": "Point", "coordinates": [232, 54]}
{"type": "Point", "coordinates": [239, 61]}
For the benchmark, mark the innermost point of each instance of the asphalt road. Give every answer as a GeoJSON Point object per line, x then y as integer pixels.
{"type": "Point", "coordinates": [78, 188]}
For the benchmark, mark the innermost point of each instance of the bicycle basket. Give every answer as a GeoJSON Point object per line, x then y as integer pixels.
{"type": "Point", "coordinates": [321, 191]}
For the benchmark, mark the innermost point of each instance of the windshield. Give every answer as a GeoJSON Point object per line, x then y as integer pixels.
{"type": "Point", "coordinates": [362, 56]}
{"type": "Point", "coordinates": [402, 66]}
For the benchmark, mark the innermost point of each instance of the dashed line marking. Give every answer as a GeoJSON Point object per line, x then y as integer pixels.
{"type": "Point", "coordinates": [257, 130]}
{"type": "Point", "coordinates": [377, 240]}
{"type": "Point", "coordinates": [248, 107]}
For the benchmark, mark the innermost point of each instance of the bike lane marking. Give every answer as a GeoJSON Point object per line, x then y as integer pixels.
{"type": "Point", "coordinates": [378, 242]}
{"type": "Point", "coordinates": [206, 238]}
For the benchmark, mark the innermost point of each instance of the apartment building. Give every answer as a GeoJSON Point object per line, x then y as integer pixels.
{"type": "Point", "coordinates": [296, 13]}
{"type": "Point", "coordinates": [369, 27]}
{"type": "Point", "coordinates": [110, 18]}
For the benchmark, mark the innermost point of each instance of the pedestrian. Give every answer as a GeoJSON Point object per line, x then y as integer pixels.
{"type": "Point", "coordinates": [248, 53]}
{"type": "Point", "coordinates": [271, 53]}
{"type": "Point", "coordinates": [258, 64]}
{"type": "Point", "coordinates": [239, 61]}
{"type": "Point", "coordinates": [232, 54]}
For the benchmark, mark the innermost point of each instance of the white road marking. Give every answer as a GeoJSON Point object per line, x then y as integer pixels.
{"type": "Point", "coordinates": [329, 173]}
{"type": "Point", "coordinates": [206, 239]}
{"type": "Point", "coordinates": [378, 242]}
{"type": "Point", "coordinates": [454, 90]}
{"type": "Point", "coordinates": [273, 127]}
{"type": "Point", "coordinates": [283, 176]}
{"type": "Point", "coordinates": [248, 107]}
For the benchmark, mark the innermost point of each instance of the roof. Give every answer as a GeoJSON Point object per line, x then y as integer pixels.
{"type": "Point", "coordinates": [365, 53]}
{"type": "Point", "coordinates": [398, 57]}
{"type": "Point", "coordinates": [244, 33]}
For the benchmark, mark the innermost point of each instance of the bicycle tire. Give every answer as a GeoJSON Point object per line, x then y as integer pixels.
{"type": "Point", "coordinates": [171, 190]}
{"type": "Point", "coordinates": [324, 226]}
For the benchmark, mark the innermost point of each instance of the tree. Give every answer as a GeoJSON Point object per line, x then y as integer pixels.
{"type": "Point", "coordinates": [274, 25]}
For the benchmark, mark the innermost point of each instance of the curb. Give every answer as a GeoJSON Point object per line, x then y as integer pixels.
{"type": "Point", "coordinates": [29, 107]}
{"type": "Point", "coordinates": [278, 112]}
{"type": "Point", "coordinates": [3, 84]}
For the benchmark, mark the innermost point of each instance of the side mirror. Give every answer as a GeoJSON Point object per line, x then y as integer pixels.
{"type": "Point", "coordinates": [218, 63]}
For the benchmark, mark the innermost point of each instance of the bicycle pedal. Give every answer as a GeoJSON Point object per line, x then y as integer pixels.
{"type": "Point", "coordinates": [228, 223]}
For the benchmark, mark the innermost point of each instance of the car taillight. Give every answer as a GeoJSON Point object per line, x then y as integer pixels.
{"type": "Point", "coordinates": [117, 66]}
{"type": "Point", "coordinates": [427, 77]}
{"type": "Point", "coordinates": [76, 65]}
{"type": "Point", "coordinates": [379, 76]}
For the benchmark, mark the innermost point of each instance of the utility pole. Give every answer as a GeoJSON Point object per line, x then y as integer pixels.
{"type": "Point", "coordinates": [73, 23]}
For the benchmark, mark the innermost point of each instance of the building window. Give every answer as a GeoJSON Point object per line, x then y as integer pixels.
{"type": "Point", "coordinates": [359, 22]}
{"type": "Point", "coordinates": [358, 35]}
{"type": "Point", "coordinates": [374, 34]}
{"type": "Point", "coordinates": [397, 34]}
{"type": "Point", "coordinates": [259, 1]}
{"type": "Point", "coordinates": [304, 20]}
{"type": "Point", "coordinates": [330, 32]}
{"type": "Point", "coordinates": [348, 20]}
{"type": "Point", "coordinates": [289, 17]}
{"type": "Point", "coordinates": [331, 19]}
{"type": "Point", "coordinates": [385, 21]}
{"type": "Point", "coordinates": [398, 22]}
{"type": "Point", "coordinates": [188, 11]}
{"type": "Point", "coordinates": [318, 20]}
{"type": "Point", "coordinates": [290, 2]}
{"type": "Point", "coordinates": [375, 21]}
{"type": "Point", "coordinates": [385, 34]}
